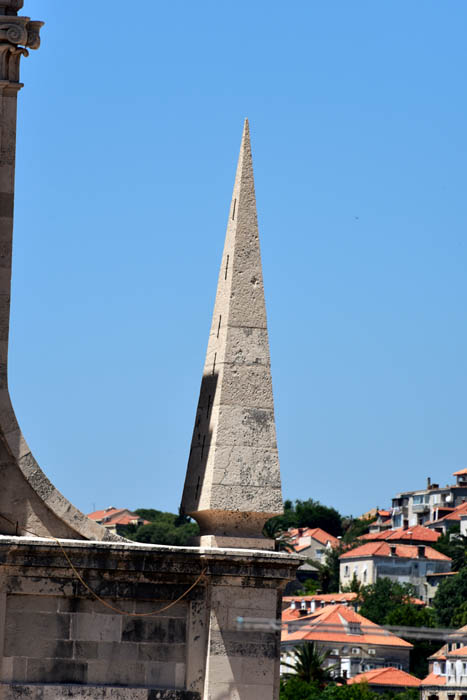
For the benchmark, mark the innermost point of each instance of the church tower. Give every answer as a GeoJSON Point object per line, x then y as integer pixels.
{"type": "Point", "coordinates": [233, 484]}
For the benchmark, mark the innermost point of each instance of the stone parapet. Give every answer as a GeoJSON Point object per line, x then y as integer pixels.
{"type": "Point", "coordinates": [165, 620]}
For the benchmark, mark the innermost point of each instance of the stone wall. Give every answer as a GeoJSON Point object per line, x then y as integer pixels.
{"type": "Point", "coordinates": [54, 633]}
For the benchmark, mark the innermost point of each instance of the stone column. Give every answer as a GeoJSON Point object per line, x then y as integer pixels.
{"type": "Point", "coordinates": [28, 501]}
{"type": "Point", "coordinates": [16, 34]}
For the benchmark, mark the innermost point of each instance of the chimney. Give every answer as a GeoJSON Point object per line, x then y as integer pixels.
{"type": "Point", "coordinates": [392, 547]}
{"type": "Point", "coordinates": [293, 605]}
{"type": "Point", "coordinates": [428, 482]}
{"type": "Point", "coordinates": [421, 551]}
{"type": "Point", "coordinates": [303, 610]}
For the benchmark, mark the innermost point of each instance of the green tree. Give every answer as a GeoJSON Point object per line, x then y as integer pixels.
{"type": "Point", "coordinates": [451, 594]}
{"type": "Point", "coordinates": [459, 619]}
{"type": "Point", "coordinates": [310, 587]}
{"type": "Point", "coordinates": [453, 545]}
{"type": "Point", "coordinates": [410, 615]}
{"type": "Point", "coordinates": [355, 528]}
{"type": "Point", "coordinates": [308, 664]}
{"type": "Point", "coordinates": [307, 513]}
{"type": "Point", "coordinates": [164, 528]}
{"type": "Point", "coordinates": [379, 599]}
{"type": "Point", "coordinates": [295, 689]}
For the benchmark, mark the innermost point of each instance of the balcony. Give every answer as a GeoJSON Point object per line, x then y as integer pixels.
{"type": "Point", "coordinates": [420, 507]}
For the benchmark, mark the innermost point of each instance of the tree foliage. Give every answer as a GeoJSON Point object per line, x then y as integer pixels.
{"type": "Point", "coordinates": [453, 545]}
{"type": "Point", "coordinates": [380, 599]}
{"type": "Point", "coordinates": [308, 664]}
{"type": "Point", "coordinates": [356, 527]}
{"type": "Point", "coordinates": [307, 513]}
{"type": "Point", "coordinates": [297, 689]}
{"type": "Point", "coordinates": [164, 528]}
{"type": "Point", "coordinates": [449, 598]}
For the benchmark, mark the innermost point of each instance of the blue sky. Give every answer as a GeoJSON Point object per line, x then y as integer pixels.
{"type": "Point", "coordinates": [128, 133]}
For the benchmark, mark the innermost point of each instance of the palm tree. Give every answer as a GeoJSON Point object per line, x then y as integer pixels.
{"type": "Point", "coordinates": [308, 664]}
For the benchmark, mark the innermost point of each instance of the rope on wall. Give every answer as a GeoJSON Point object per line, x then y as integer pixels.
{"type": "Point", "coordinates": [93, 593]}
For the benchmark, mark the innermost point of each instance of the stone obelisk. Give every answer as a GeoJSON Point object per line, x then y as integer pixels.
{"type": "Point", "coordinates": [233, 481]}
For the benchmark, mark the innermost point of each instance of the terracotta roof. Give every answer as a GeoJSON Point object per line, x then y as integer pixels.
{"type": "Point", "coordinates": [382, 549]}
{"type": "Point", "coordinates": [301, 547]}
{"type": "Point", "coordinates": [99, 514]}
{"type": "Point", "coordinates": [460, 472]}
{"type": "Point", "coordinates": [434, 679]}
{"type": "Point", "coordinates": [318, 597]}
{"type": "Point", "coordinates": [444, 573]}
{"type": "Point", "coordinates": [331, 624]}
{"type": "Point", "coordinates": [458, 652]}
{"type": "Point", "coordinates": [373, 536]}
{"type": "Point", "coordinates": [322, 536]}
{"type": "Point", "coordinates": [386, 676]}
{"type": "Point", "coordinates": [295, 536]}
{"type": "Point", "coordinates": [116, 516]}
{"type": "Point", "coordinates": [459, 510]}
{"type": "Point", "coordinates": [418, 532]}
{"type": "Point", "coordinates": [126, 520]}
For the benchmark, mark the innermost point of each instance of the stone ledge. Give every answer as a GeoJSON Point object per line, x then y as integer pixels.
{"type": "Point", "coordinates": [17, 691]}
{"type": "Point", "coordinates": [126, 545]}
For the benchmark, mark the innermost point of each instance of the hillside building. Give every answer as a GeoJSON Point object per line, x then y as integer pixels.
{"type": "Point", "coordinates": [399, 562]}
{"type": "Point", "coordinates": [411, 508]}
{"type": "Point", "coordinates": [354, 643]}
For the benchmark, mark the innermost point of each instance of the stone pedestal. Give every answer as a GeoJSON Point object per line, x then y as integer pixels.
{"type": "Point", "coordinates": [54, 633]}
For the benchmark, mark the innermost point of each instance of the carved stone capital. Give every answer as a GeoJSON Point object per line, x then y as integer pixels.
{"type": "Point", "coordinates": [34, 40]}
{"type": "Point", "coordinates": [16, 33]}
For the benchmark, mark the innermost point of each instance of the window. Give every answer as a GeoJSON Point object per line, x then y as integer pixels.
{"type": "Point", "coordinates": [345, 650]}
{"type": "Point", "coordinates": [355, 628]}
{"type": "Point", "coordinates": [364, 575]}
{"type": "Point", "coordinates": [355, 650]}
{"type": "Point", "coordinates": [335, 652]}
{"type": "Point", "coordinates": [346, 570]}
{"type": "Point", "coordinates": [372, 651]}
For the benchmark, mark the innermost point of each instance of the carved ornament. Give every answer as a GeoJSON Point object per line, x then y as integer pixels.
{"type": "Point", "coordinates": [16, 34]}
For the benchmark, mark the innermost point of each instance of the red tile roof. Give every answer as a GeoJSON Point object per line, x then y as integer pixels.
{"type": "Point", "coordinates": [321, 597]}
{"type": "Point", "coordinates": [386, 676]}
{"type": "Point", "coordinates": [116, 516]}
{"type": "Point", "coordinates": [382, 549]}
{"type": "Point", "coordinates": [99, 514]}
{"type": "Point", "coordinates": [433, 679]}
{"type": "Point", "coordinates": [418, 533]}
{"type": "Point", "coordinates": [458, 652]}
{"type": "Point", "coordinates": [460, 472]}
{"type": "Point", "coordinates": [455, 515]}
{"type": "Point", "coordinates": [331, 624]}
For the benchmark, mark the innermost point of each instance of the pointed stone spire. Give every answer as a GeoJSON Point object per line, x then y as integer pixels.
{"type": "Point", "coordinates": [233, 484]}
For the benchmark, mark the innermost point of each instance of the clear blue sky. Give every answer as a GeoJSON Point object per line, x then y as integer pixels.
{"type": "Point", "coordinates": [129, 130]}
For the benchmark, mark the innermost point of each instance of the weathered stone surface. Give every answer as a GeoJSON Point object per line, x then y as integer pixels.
{"type": "Point", "coordinates": [53, 631]}
{"type": "Point", "coordinates": [233, 464]}
{"type": "Point", "coordinates": [89, 692]}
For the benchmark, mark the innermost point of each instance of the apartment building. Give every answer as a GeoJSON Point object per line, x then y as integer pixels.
{"type": "Point", "coordinates": [410, 508]}
{"type": "Point", "coordinates": [400, 562]}
{"type": "Point", "coordinates": [355, 644]}
{"type": "Point", "coordinates": [447, 678]}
